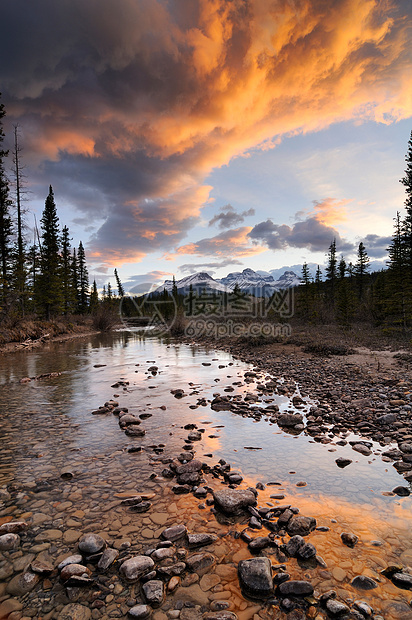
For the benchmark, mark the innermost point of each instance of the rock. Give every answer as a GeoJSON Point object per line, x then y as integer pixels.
{"type": "Point", "coordinates": [220, 615]}
{"type": "Point", "coordinates": [163, 553]}
{"type": "Point", "coordinates": [349, 539]}
{"type": "Point", "coordinates": [154, 592]}
{"type": "Point", "coordinates": [109, 556]}
{"type": "Point", "coordinates": [175, 570]}
{"type": "Point", "coordinates": [142, 506]}
{"type": "Point", "coordinates": [363, 608]}
{"type": "Point", "coordinates": [402, 580]}
{"type": "Point", "coordinates": [259, 543]}
{"type": "Point", "coordinates": [23, 583]}
{"type": "Point", "coordinates": [41, 567]}
{"type": "Point", "coordinates": [255, 577]}
{"type": "Point", "coordinates": [91, 543]}
{"type": "Point", "coordinates": [307, 551]}
{"type": "Point", "coordinates": [135, 567]}
{"type": "Point", "coordinates": [174, 532]}
{"type": "Point", "coordinates": [72, 559]}
{"type": "Point", "coordinates": [295, 588]}
{"type": "Point", "coordinates": [8, 606]}
{"type": "Point", "coordinates": [194, 436]}
{"type": "Point", "coordinates": [9, 542]}
{"type": "Point", "coordinates": [335, 608]}
{"type": "Point", "coordinates": [289, 419]}
{"type": "Point", "coordinates": [387, 418]}
{"type": "Point", "coordinates": [300, 525]}
{"type": "Point", "coordinates": [362, 582]}
{"type": "Point", "coordinates": [362, 449]}
{"type": "Point", "coordinates": [294, 544]}
{"type": "Point", "coordinates": [233, 501]}
{"type": "Point", "coordinates": [73, 611]}
{"type": "Point", "coordinates": [186, 468]}
{"type": "Point", "coordinates": [140, 612]}
{"type": "Point", "coordinates": [201, 539]}
{"type": "Point", "coordinates": [342, 462]}
{"type": "Point", "coordinates": [74, 570]}
{"type": "Point", "coordinates": [200, 562]}
{"type": "Point", "coordinates": [13, 527]}
{"type": "Point", "coordinates": [401, 491]}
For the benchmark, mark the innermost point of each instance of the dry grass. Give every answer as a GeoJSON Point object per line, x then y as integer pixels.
{"type": "Point", "coordinates": [20, 330]}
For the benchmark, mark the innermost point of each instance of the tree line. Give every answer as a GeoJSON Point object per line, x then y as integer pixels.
{"type": "Point", "coordinates": [347, 293]}
{"type": "Point", "coordinates": [49, 277]}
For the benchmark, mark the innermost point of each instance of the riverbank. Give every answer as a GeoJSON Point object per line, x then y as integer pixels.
{"type": "Point", "coordinates": [28, 334]}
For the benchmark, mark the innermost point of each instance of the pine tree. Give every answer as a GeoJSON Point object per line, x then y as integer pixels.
{"type": "Point", "coordinates": [109, 292]}
{"type": "Point", "coordinates": [75, 281]}
{"type": "Point", "coordinates": [342, 268]}
{"type": "Point", "coordinates": [398, 305]}
{"type": "Point", "coordinates": [305, 289]}
{"type": "Point", "coordinates": [120, 289]}
{"type": "Point", "coordinates": [331, 269]}
{"type": "Point", "coordinates": [50, 293]}
{"type": "Point", "coordinates": [6, 228]}
{"type": "Point", "coordinates": [94, 298]}
{"type": "Point", "coordinates": [69, 293]}
{"type": "Point", "coordinates": [361, 269]}
{"type": "Point", "coordinates": [83, 280]}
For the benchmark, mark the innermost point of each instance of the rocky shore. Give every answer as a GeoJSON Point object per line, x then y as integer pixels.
{"type": "Point", "coordinates": [181, 535]}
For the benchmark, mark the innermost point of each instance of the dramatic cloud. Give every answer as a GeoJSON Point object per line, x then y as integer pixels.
{"type": "Point", "coordinates": [227, 218]}
{"type": "Point", "coordinates": [230, 243]}
{"type": "Point", "coordinates": [309, 233]}
{"type": "Point", "coordinates": [127, 106]}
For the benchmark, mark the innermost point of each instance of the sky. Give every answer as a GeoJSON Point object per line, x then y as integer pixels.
{"type": "Point", "coordinates": [211, 135]}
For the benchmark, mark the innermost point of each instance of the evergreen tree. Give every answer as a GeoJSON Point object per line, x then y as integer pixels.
{"type": "Point", "coordinates": [6, 229]}
{"type": "Point", "coordinates": [94, 298]}
{"type": "Point", "coordinates": [318, 281]}
{"type": "Point", "coordinates": [83, 280]}
{"type": "Point", "coordinates": [75, 281]}
{"type": "Point", "coordinates": [305, 289]}
{"type": "Point", "coordinates": [331, 269]}
{"type": "Point", "coordinates": [361, 268]}
{"type": "Point", "coordinates": [120, 289]}
{"type": "Point", "coordinates": [109, 292]}
{"type": "Point", "coordinates": [342, 268]}
{"type": "Point", "coordinates": [69, 294]}
{"type": "Point", "coordinates": [398, 306]}
{"type": "Point", "coordinates": [50, 293]}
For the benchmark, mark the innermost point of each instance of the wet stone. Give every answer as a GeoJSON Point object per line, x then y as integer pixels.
{"type": "Point", "coordinates": [255, 577]}
{"type": "Point", "coordinates": [136, 567]}
{"type": "Point", "coordinates": [402, 580]}
{"type": "Point", "coordinates": [300, 525]}
{"type": "Point", "coordinates": [295, 588]}
{"type": "Point", "coordinates": [342, 462]}
{"type": "Point", "coordinates": [9, 542]}
{"type": "Point", "coordinates": [336, 608]}
{"type": "Point", "coordinates": [362, 582]}
{"type": "Point", "coordinates": [154, 592]}
{"type": "Point", "coordinates": [73, 611]}
{"type": "Point", "coordinates": [109, 556]}
{"type": "Point", "coordinates": [91, 543]}
{"type": "Point", "coordinates": [233, 501]}
{"type": "Point", "coordinates": [71, 559]}
{"type": "Point", "coordinates": [23, 583]}
{"type": "Point", "coordinates": [294, 544]}
{"type": "Point", "coordinates": [349, 539]}
{"type": "Point", "coordinates": [200, 562]}
{"type": "Point", "coordinates": [174, 532]}
{"type": "Point", "coordinates": [140, 612]}
{"type": "Point", "coordinates": [74, 570]}
{"type": "Point", "coordinates": [200, 540]}
{"type": "Point", "coordinates": [13, 527]}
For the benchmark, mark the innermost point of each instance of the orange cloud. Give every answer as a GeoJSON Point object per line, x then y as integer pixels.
{"type": "Point", "coordinates": [234, 243]}
{"type": "Point", "coordinates": [330, 211]}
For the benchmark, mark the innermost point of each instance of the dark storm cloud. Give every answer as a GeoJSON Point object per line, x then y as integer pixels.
{"type": "Point", "coordinates": [127, 106]}
{"type": "Point", "coordinates": [310, 233]}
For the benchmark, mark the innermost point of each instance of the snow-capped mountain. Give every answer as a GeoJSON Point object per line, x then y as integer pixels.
{"type": "Point", "coordinates": [259, 284]}
{"type": "Point", "coordinates": [288, 280]}
{"type": "Point", "coordinates": [198, 282]}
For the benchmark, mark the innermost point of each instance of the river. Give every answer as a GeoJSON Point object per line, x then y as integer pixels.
{"type": "Point", "coordinates": [66, 469]}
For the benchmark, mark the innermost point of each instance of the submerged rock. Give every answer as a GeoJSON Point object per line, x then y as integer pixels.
{"type": "Point", "coordinates": [233, 501]}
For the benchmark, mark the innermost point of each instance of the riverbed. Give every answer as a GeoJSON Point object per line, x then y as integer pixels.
{"type": "Point", "coordinates": [65, 472]}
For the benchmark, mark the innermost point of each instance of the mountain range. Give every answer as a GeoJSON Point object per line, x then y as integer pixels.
{"type": "Point", "coordinates": [260, 284]}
